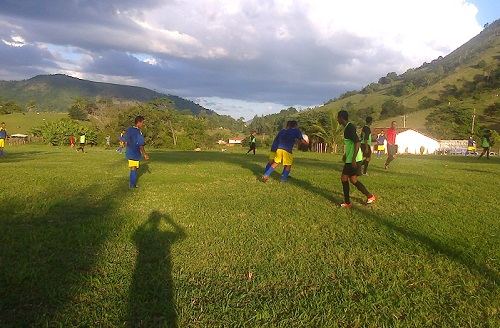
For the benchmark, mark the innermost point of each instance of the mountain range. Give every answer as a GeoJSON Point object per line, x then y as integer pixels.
{"type": "Point", "coordinates": [56, 93]}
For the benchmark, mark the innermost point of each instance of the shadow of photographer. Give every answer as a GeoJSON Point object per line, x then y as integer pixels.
{"type": "Point", "coordinates": [151, 296]}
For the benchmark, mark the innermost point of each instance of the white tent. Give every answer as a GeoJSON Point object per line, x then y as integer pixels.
{"type": "Point", "coordinates": [411, 141]}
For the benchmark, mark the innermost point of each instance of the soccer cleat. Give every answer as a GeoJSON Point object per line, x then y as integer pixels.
{"type": "Point", "coordinates": [264, 178]}
{"type": "Point", "coordinates": [386, 166]}
{"type": "Point", "coordinates": [371, 199]}
{"type": "Point", "coordinates": [344, 204]}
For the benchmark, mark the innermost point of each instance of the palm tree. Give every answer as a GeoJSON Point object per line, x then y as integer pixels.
{"type": "Point", "coordinates": [330, 133]}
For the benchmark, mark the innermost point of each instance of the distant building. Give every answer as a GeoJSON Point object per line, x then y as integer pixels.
{"type": "Point", "coordinates": [453, 147]}
{"type": "Point", "coordinates": [411, 141]}
{"type": "Point", "coordinates": [415, 142]}
{"type": "Point", "coordinates": [234, 141]}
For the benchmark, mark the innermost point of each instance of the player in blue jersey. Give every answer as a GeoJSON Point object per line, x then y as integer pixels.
{"type": "Point", "coordinates": [352, 159]}
{"type": "Point", "coordinates": [3, 138]}
{"type": "Point", "coordinates": [284, 150]}
{"type": "Point", "coordinates": [274, 147]}
{"type": "Point", "coordinates": [135, 149]}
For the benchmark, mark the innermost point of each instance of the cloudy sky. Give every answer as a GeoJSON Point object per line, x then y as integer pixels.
{"type": "Point", "coordinates": [238, 57]}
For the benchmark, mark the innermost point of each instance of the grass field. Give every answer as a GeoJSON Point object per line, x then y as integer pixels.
{"type": "Point", "coordinates": [202, 243]}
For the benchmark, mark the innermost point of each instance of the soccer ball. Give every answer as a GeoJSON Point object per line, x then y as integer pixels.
{"type": "Point", "coordinates": [305, 137]}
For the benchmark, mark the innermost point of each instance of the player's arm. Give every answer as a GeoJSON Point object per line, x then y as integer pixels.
{"type": "Point", "coordinates": [366, 142]}
{"type": "Point", "coordinates": [143, 152]}
{"type": "Point", "coordinates": [356, 149]}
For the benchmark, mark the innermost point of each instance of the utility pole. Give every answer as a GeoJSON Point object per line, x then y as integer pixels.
{"type": "Point", "coordinates": [404, 121]}
{"type": "Point", "coordinates": [473, 119]}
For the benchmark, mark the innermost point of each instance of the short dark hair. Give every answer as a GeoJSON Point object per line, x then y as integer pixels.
{"type": "Point", "coordinates": [293, 124]}
{"type": "Point", "coordinates": [138, 119]}
{"type": "Point", "coordinates": [369, 119]}
{"type": "Point", "coordinates": [343, 114]}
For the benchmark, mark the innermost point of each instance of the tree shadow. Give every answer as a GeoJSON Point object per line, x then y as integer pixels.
{"type": "Point", "coordinates": [151, 296]}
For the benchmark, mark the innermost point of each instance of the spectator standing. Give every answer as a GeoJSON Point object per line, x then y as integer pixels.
{"type": "Point", "coordinates": [392, 147]}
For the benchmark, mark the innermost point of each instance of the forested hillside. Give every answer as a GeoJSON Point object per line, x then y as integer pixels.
{"type": "Point", "coordinates": [56, 93]}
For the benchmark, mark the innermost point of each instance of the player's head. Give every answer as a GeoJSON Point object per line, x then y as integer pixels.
{"type": "Point", "coordinates": [393, 124]}
{"type": "Point", "coordinates": [369, 120]}
{"type": "Point", "coordinates": [139, 121]}
{"type": "Point", "coordinates": [293, 124]}
{"type": "Point", "coordinates": [343, 117]}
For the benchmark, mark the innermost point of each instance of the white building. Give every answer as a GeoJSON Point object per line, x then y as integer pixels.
{"type": "Point", "coordinates": [411, 142]}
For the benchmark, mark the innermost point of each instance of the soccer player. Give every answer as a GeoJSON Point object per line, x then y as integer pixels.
{"type": "Point", "coordinates": [380, 144]}
{"type": "Point", "coordinates": [486, 145]}
{"type": "Point", "coordinates": [3, 137]}
{"type": "Point", "coordinates": [82, 141]}
{"type": "Point", "coordinates": [253, 141]}
{"type": "Point", "coordinates": [392, 148]}
{"type": "Point", "coordinates": [470, 146]}
{"type": "Point", "coordinates": [352, 159]}
{"type": "Point", "coordinates": [366, 143]}
{"type": "Point", "coordinates": [121, 142]}
{"type": "Point", "coordinates": [135, 149]}
{"type": "Point", "coordinates": [284, 151]}
{"type": "Point", "coordinates": [274, 147]}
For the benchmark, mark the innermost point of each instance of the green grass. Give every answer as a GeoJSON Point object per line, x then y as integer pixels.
{"type": "Point", "coordinates": [202, 243]}
{"type": "Point", "coordinates": [23, 122]}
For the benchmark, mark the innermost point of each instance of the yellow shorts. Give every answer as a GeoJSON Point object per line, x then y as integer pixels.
{"type": "Point", "coordinates": [272, 155]}
{"type": "Point", "coordinates": [283, 157]}
{"type": "Point", "coordinates": [380, 147]}
{"type": "Point", "coordinates": [470, 148]}
{"type": "Point", "coordinates": [132, 163]}
{"type": "Point", "coordinates": [2, 143]}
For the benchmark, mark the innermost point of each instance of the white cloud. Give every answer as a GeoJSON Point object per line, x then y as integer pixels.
{"type": "Point", "coordinates": [273, 53]}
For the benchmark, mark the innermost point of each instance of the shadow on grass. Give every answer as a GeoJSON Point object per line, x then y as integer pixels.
{"type": "Point", "coordinates": [151, 297]}
{"type": "Point", "coordinates": [246, 161]}
{"type": "Point", "coordinates": [438, 247]}
{"type": "Point", "coordinates": [48, 249]}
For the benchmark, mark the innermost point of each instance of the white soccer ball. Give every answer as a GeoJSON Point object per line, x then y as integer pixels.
{"type": "Point", "coordinates": [305, 137]}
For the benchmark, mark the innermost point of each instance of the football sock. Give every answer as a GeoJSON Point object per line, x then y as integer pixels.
{"type": "Point", "coordinates": [269, 171]}
{"type": "Point", "coordinates": [267, 167]}
{"type": "Point", "coordinates": [285, 175]}
{"type": "Point", "coordinates": [345, 187]}
{"type": "Point", "coordinates": [365, 166]}
{"type": "Point", "coordinates": [133, 177]}
{"type": "Point", "coordinates": [361, 187]}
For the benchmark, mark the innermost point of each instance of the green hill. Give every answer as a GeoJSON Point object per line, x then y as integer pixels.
{"type": "Point", "coordinates": [467, 79]}
{"type": "Point", "coordinates": [56, 93]}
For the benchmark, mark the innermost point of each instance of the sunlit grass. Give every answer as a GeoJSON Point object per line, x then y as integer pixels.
{"type": "Point", "coordinates": [203, 243]}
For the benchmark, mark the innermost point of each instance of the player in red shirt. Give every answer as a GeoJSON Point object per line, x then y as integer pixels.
{"type": "Point", "coordinates": [392, 148]}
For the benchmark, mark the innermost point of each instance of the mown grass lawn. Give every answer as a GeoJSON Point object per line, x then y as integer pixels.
{"type": "Point", "coordinates": [203, 243]}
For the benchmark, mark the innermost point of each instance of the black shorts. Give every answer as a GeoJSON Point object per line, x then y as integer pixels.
{"type": "Point", "coordinates": [351, 171]}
